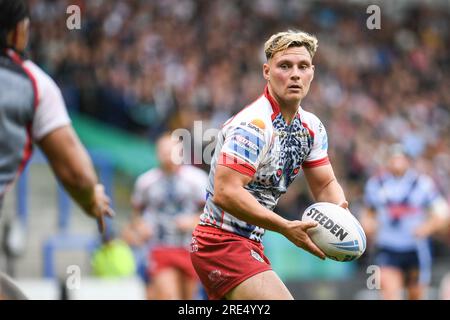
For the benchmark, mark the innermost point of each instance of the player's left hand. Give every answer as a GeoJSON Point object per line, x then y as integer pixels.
{"type": "Point", "coordinates": [100, 207]}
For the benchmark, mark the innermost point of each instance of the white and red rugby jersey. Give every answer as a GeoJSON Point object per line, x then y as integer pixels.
{"type": "Point", "coordinates": [259, 143]}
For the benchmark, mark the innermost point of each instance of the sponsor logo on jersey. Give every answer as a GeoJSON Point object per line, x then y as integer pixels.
{"type": "Point", "coordinates": [247, 144]}
{"type": "Point", "coordinates": [301, 135]}
{"type": "Point", "coordinates": [258, 123]}
{"type": "Point", "coordinates": [282, 134]}
{"type": "Point", "coordinates": [321, 128]}
{"type": "Point", "coordinates": [298, 134]}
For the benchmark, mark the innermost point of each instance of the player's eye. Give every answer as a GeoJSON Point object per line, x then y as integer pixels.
{"type": "Point", "coordinates": [284, 66]}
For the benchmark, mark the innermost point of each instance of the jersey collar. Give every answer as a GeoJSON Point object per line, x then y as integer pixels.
{"type": "Point", "coordinates": [273, 103]}
{"type": "Point", "coordinates": [276, 107]}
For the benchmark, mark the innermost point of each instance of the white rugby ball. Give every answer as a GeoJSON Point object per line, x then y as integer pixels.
{"type": "Point", "coordinates": [338, 233]}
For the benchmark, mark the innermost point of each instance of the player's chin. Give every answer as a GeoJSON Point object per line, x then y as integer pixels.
{"type": "Point", "coordinates": [294, 95]}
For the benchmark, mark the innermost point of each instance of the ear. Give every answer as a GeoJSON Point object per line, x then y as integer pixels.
{"type": "Point", "coordinates": [313, 69]}
{"type": "Point", "coordinates": [11, 37]}
{"type": "Point", "coordinates": [19, 35]}
{"type": "Point", "coordinates": [266, 71]}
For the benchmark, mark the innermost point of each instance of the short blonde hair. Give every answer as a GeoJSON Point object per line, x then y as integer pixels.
{"type": "Point", "coordinates": [291, 38]}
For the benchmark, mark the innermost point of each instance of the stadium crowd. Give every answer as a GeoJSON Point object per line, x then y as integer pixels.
{"type": "Point", "coordinates": [148, 66]}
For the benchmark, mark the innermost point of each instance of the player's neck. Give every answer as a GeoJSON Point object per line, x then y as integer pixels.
{"type": "Point", "coordinates": [288, 109]}
{"type": "Point", "coordinates": [169, 170]}
{"type": "Point", "coordinates": [288, 113]}
{"type": "Point", "coordinates": [399, 173]}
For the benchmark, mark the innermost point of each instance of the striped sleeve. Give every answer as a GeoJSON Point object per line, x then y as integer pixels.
{"type": "Point", "coordinates": [244, 146]}
{"type": "Point", "coordinates": [319, 153]}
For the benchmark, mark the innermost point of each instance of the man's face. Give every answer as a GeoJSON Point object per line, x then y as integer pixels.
{"type": "Point", "coordinates": [289, 73]}
{"type": "Point", "coordinates": [398, 164]}
{"type": "Point", "coordinates": [165, 149]}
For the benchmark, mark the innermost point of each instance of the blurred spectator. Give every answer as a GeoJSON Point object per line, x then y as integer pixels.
{"type": "Point", "coordinates": [148, 66]}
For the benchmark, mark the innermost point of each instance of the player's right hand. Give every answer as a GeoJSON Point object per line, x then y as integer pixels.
{"type": "Point", "coordinates": [295, 231]}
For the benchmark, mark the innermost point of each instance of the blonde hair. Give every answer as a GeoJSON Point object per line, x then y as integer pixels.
{"type": "Point", "coordinates": [291, 38]}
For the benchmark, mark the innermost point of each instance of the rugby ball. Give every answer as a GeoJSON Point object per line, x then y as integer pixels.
{"type": "Point", "coordinates": [338, 233]}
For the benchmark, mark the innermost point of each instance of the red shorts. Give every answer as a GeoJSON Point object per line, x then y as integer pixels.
{"type": "Point", "coordinates": [163, 257]}
{"type": "Point", "coordinates": [223, 259]}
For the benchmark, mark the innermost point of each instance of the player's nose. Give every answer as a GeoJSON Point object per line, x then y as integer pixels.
{"type": "Point", "coordinates": [295, 75]}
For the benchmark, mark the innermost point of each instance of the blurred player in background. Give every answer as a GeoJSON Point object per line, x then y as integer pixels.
{"type": "Point", "coordinates": [137, 234]}
{"type": "Point", "coordinates": [259, 153]}
{"type": "Point", "coordinates": [168, 202]}
{"type": "Point", "coordinates": [404, 209]}
{"type": "Point", "coordinates": [32, 110]}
